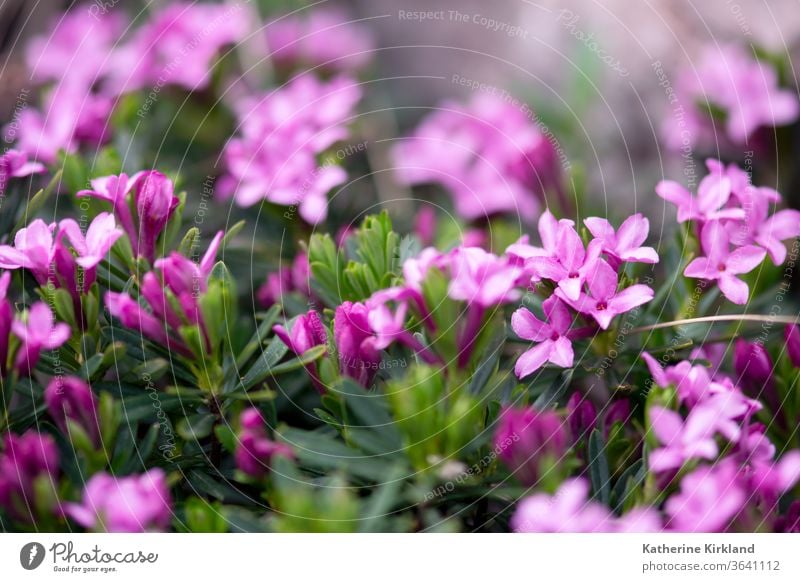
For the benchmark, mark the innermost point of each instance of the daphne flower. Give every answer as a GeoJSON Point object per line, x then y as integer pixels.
{"type": "Point", "coordinates": [71, 399]}
{"type": "Point", "coordinates": [139, 503]}
{"type": "Point", "coordinates": [355, 342]}
{"type": "Point", "coordinates": [307, 332]}
{"type": "Point", "coordinates": [489, 155]}
{"type": "Point", "coordinates": [723, 265]}
{"type": "Point", "coordinates": [15, 164]}
{"type": "Point", "coordinates": [100, 237]}
{"type": "Point", "coordinates": [713, 193]}
{"type": "Point", "coordinates": [792, 339]}
{"type": "Point", "coordinates": [321, 37]}
{"type": "Point", "coordinates": [255, 450]}
{"type": "Point", "coordinates": [37, 333]}
{"type": "Point", "coordinates": [6, 319]}
{"type": "Point", "coordinates": [625, 244]}
{"type": "Point", "coordinates": [481, 278]}
{"type": "Point", "coordinates": [552, 338]}
{"type": "Point", "coordinates": [570, 264]}
{"type": "Point", "coordinates": [604, 303]}
{"type": "Point", "coordinates": [530, 442]}
{"type": "Point", "coordinates": [746, 89]}
{"type": "Point", "coordinates": [568, 511]}
{"type": "Point", "coordinates": [682, 441]}
{"type": "Point", "coordinates": [709, 499]}
{"type": "Point", "coordinates": [25, 460]}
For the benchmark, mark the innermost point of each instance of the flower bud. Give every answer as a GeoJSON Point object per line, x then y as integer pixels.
{"type": "Point", "coordinates": [25, 459]}
{"type": "Point", "coordinates": [581, 416]}
{"type": "Point", "coordinates": [529, 442]}
{"type": "Point", "coordinates": [256, 450]}
{"type": "Point", "coordinates": [792, 335]}
{"type": "Point", "coordinates": [71, 399]}
{"type": "Point", "coordinates": [753, 366]}
{"type": "Point", "coordinates": [153, 194]}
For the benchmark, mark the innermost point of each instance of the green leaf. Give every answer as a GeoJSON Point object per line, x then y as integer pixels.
{"type": "Point", "coordinates": [195, 427]}
{"type": "Point", "coordinates": [551, 395]}
{"type": "Point", "coordinates": [598, 468]}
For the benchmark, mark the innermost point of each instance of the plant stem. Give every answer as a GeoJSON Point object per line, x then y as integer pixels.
{"type": "Point", "coordinates": [783, 319]}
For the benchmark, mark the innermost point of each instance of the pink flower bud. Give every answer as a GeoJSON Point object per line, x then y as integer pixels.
{"type": "Point", "coordinates": [72, 399]}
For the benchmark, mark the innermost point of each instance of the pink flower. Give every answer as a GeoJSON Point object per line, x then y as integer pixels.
{"type": "Point", "coordinates": [178, 46]}
{"type": "Point", "coordinates": [721, 265]}
{"type": "Point", "coordinates": [6, 319]}
{"type": "Point", "coordinates": [570, 264]}
{"type": "Point", "coordinates": [530, 442]}
{"type": "Point", "coordinates": [255, 450]}
{"type": "Point", "coordinates": [36, 334]}
{"type": "Point", "coordinates": [625, 244]}
{"type": "Point", "coordinates": [604, 303]}
{"type": "Point", "coordinates": [709, 499]}
{"type": "Point", "coordinates": [489, 155]}
{"type": "Point", "coordinates": [355, 342]}
{"type": "Point", "coordinates": [139, 503]}
{"type": "Point", "coordinates": [71, 399]}
{"type": "Point", "coordinates": [481, 278]}
{"type": "Point", "coordinates": [320, 37]}
{"type": "Point", "coordinates": [568, 511]}
{"type": "Point", "coordinates": [713, 193]}
{"type": "Point", "coordinates": [15, 164]}
{"type": "Point", "coordinates": [792, 339]}
{"type": "Point", "coordinates": [33, 250]}
{"type": "Point", "coordinates": [552, 338]}
{"type": "Point", "coordinates": [100, 237]}
{"type": "Point", "coordinates": [746, 89]}
{"type": "Point", "coordinates": [275, 157]}
{"type": "Point", "coordinates": [307, 332]}
{"type": "Point", "coordinates": [683, 441]}
{"type": "Point", "coordinates": [25, 460]}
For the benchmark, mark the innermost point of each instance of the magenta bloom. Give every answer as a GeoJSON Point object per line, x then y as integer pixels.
{"type": "Point", "coordinates": [15, 164]}
{"type": "Point", "coordinates": [709, 499]}
{"type": "Point", "coordinates": [355, 342]}
{"type": "Point", "coordinates": [570, 264]}
{"type": "Point", "coordinates": [152, 199]}
{"type": "Point", "coordinates": [307, 332]}
{"type": "Point", "coordinates": [489, 155]}
{"type": "Point", "coordinates": [178, 46]}
{"type": "Point", "coordinates": [604, 303]}
{"type": "Point", "coordinates": [255, 450]}
{"type": "Point", "coordinates": [552, 338]}
{"type": "Point", "coordinates": [6, 319]}
{"type": "Point", "coordinates": [481, 278]}
{"type": "Point", "coordinates": [530, 442]}
{"type": "Point", "coordinates": [24, 460]}
{"type": "Point", "coordinates": [624, 245]}
{"type": "Point", "coordinates": [722, 265]}
{"type": "Point", "coordinates": [138, 503]}
{"type": "Point", "coordinates": [753, 366]}
{"type": "Point", "coordinates": [746, 89]}
{"type": "Point", "coordinates": [319, 37]}
{"type": "Point", "coordinates": [568, 511]}
{"type": "Point", "coordinates": [792, 338]}
{"type": "Point", "coordinates": [713, 193]}
{"type": "Point", "coordinates": [37, 333]}
{"type": "Point", "coordinates": [581, 416]}
{"type": "Point", "coordinates": [693, 439]}
{"type": "Point", "coordinates": [275, 157]}
{"type": "Point", "coordinates": [33, 250]}
{"type": "Point", "coordinates": [71, 399]}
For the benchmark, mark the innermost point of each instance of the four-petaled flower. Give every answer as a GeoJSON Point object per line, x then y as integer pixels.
{"type": "Point", "coordinates": [552, 338]}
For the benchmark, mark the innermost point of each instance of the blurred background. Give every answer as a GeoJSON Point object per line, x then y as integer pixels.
{"type": "Point", "coordinates": [588, 68]}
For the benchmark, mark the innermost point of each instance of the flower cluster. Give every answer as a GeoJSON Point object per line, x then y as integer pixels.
{"type": "Point", "coordinates": [729, 211]}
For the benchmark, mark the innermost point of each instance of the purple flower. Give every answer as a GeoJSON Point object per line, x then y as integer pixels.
{"type": "Point", "coordinates": [322, 37]}
{"type": "Point", "coordinates": [307, 332]}
{"type": "Point", "coordinates": [530, 442]}
{"type": "Point", "coordinates": [139, 503]}
{"type": "Point", "coordinates": [754, 367]}
{"type": "Point", "coordinates": [275, 157]}
{"type": "Point", "coordinates": [746, 89]}
{"type": "Point", "coordinates": [6, 319]}
{"type": "Point", "coordinates": [568, 511]}
{"type": "Point", "coordinates": [624, 245]}
{"type": "Point", "coordinates": [552, 338]}
{"type": "Point", "coordinates": [482, 279]}
{"type": "Point", "coordinates": [255, 450]}
{"type": "Point", "coordinates": [709, 500]}
{"type": "Point", "coordinates": [33, 250]}
{"type": "Point", "coordinates": [152, 198]}
{"type": "Point", "coordinates": [581, 416]}
{"type": "Point", "coordinates": [792, 338]}
{"type": "Point", "coordinates": [355, 342]}
{"type": "Point", "coordinates": [71, 399]}
{"type": "Point", "coordinates": [15, 164]}
{"type": "Point", "coordinates": [489, 155]}
{"type": "Point", "coordinates": [178, 46]}
{"type": "Point", "coordinates": [713, 193]}
{"type": "Point", "coordinates": [604, 303]}
{"type": "Point", "coordinates": [24, 460]}
{"type": "Point", "coordinates": [37, 333]}
{"type": "Point", "coordinates": [693, 439]}
{"type": "Point", "coordinates": [570, 264]}
{"type": "Point", "coordinates": [722, 265]}
{"type": "Point", "coordinates": [771, 480]}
